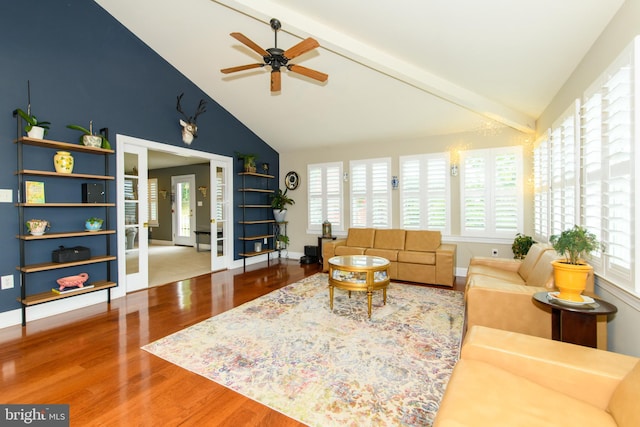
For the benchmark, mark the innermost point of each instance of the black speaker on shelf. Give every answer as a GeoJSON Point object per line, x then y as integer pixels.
{"type": "Point", "coordinates": [93, 193]}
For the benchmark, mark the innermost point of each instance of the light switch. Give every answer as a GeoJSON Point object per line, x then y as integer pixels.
{"type": "Point", "coordinates": [6, 196]}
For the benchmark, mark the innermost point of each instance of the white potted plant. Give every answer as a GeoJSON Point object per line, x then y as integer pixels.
{"type": "Point", "coordinates": [279, 202]}
{"type": "Point", "coordinates": [35, 128]}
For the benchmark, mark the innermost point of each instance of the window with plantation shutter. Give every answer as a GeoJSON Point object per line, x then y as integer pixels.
{"type": "Point", "coordinates": [564, 178]}
{"type": "Point", "coordinates": [370, 191]}
{"type": "Point", "coordinates": [425, 192]}
{"type": "Point", "coordinates": [491, 192]}
{"type": "Point", "coordinates": [541, 190]}
{"type": "Point", "coordinates": [325, 193]}
{"type": "Point", "coordinates": [152, 196]}
{"type": "Point", "coordinates": [609, 138]}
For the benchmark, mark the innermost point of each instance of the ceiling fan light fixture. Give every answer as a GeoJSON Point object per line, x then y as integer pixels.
{"type": "Point", "coordinates": [278, 58]}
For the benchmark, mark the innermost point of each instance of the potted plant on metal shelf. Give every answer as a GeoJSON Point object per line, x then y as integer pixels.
{"type": "Point", "coordinates": [37, 227]}
{"type": "Point", "coordinates": [279, 202]}
{"type": "Point", "coordinates": [571, 274]}
{"type": "Point", "coordinates": [521, 245]}
{"type": "Point", "coordinates": [282, 241]}
{"type": "Point", "coordinates": [93, 224]}
{"type": "Point", "coordinates": [89, 138]}
{"type": "Point", "coordinates": [35, 128]}
{"type": "Point", "coordinates": [249, 161]}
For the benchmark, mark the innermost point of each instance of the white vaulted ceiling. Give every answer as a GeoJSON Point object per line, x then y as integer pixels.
{"type": "Point", "coordinates": [398, 70]}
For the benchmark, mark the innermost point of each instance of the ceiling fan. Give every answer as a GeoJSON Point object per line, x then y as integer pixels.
{"type": "Point", "coordinates": [277, 58]}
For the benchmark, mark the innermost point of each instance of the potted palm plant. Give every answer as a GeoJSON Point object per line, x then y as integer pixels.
{"type": "Point", "coordinates": [571, 273]}
{"type": "Point", "coordinates": [279, 202]}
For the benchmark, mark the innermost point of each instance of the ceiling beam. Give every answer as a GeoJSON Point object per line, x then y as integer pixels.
{"type": "Point", "coordinates": [303, 26]}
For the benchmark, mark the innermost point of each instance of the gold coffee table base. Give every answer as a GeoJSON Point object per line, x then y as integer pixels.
{"type": "Point", "coordinates": [359, 273]}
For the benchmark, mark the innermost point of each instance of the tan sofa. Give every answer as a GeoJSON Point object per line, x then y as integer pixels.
{"type": "Point", "coordinates": [499, 292]}
{"type": "Point", "coordinates": [415, 255]}
{"type": "Point", "coordinates": [510, 379]}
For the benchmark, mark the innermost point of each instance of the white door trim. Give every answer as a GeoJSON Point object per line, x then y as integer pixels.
{"type": "Point", "coordinates": [172, 149]}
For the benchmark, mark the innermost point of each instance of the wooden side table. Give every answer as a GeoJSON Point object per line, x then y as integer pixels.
{"type": "Point", "coordinates": [321, 239]}
{"type": "Point", "coordinates": [576, 324]}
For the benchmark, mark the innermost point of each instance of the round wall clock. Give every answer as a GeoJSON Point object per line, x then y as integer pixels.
{"type": "Point", "coordinates": [292, 180]}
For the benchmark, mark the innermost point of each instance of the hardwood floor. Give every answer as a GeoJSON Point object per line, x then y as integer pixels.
{"type": "Point", "coordinates": [91, 358]}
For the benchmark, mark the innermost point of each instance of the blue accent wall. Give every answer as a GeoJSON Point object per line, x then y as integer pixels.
{"type": "Point", "coordinates": [84, 65]}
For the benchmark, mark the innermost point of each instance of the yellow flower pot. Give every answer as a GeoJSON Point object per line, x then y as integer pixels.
{"type": "Point", "coordinates": [571, 279]}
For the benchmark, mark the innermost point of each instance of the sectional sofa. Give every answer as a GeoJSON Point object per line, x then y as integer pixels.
{"type": "Point", "coordinates": [415, 255]}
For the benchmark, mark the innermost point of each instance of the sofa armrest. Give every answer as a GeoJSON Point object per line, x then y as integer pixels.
{"type": "Point", "coordinates": [446, 264]}
{"type": "Point", "coordinates": [501, 263]}
{"type": "Point", "coordinates": [504, 305]}
{"type": "Point", "coordinates": [584, 373]}
{"type": "Point", "coordinates": [329, 250]}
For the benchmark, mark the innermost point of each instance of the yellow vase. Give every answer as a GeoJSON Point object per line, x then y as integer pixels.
{"type": "Point", "coordinates": [63, 162]}
{"type": "Point", "coordinates": [571, 279]}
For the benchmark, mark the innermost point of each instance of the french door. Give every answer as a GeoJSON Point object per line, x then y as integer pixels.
{"type": "Point", "coordinates": [133, 207]}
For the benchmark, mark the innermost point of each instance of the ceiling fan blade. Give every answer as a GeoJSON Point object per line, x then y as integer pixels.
{"type": "Point", "coordinates": [245, 40]}
{"type": "Point", "coordinates": [240, 68]}
{"type": "Point", "coordinates": [304, 46]}
{"type": "Point", "coordinates": [316, 75]}
{"type": "Point", "coordinates": [275, 80]}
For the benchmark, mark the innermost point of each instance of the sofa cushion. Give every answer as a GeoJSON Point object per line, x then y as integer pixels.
{"type": "Point", "coordinates": [624, 402]}
{"type": "Point", "coordinates": [361, 237]}
{"type": "Point", "coordinates": [422, 240]}
{"type": "Point", "coordinates": [495, 273]}
{"type": "Point", "coordinates": [349, 250]}
{"type": "Point", "coordinates": [417, 257]}
{"type": "Point", "coordinates": [390, 254]}
{"type": "Point", "coordinates": [530, 261]}
{"type": "Point", "coordinates": [389, 239]}
{"type": "Point", "coordinates": [542, 274]}
{"type": "Point", "coordinates": [480, 394]}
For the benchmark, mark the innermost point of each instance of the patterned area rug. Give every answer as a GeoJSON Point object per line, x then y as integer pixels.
{"type": "Point", "coordinates": [288, 351]}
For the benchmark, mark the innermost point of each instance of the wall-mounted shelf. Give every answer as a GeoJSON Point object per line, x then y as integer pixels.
{"type": "Point", "coordinates": [102, 281]}
{"type": "Point", "coordinates": [256, 216]}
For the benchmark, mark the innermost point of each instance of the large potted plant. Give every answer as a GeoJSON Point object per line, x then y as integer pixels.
{"type": "Point", "coordinates": [571, 273]}
{"type": "Point", "coordinates": [279, 202]}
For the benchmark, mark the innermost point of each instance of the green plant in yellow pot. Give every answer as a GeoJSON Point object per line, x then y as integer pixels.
{"type": "Point", "coordinates": [571, 274]}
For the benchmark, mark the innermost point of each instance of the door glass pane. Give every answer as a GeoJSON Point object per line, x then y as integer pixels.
{"type": "Point", "coordinates": [183, 209]}
{"type": "Point", "coordinates": [131, 216]}
{"type": "Point", "coordinates": [219, 214]}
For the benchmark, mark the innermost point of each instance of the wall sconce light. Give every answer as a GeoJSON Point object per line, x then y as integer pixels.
{"type": "Point", "coordinates": [203, 190]}
{"type": "Point", "coordinates": [454, 170]}
{"type": "Point", "coordinates": [163, 193]}
{"type": "Point", "coordinates": [395, 182]}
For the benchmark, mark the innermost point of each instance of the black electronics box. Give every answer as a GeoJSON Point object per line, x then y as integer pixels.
{"type": "Point", "coordinates": [77, 253]}
{"type": "Point", "coordinates": [93, 193]}
{"type": "Point", "coordinates": [311, 251]}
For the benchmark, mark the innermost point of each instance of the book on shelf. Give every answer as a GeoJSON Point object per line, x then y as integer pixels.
{"type": "Point", "coordinates": [34, 191]}
{"type": "Point", "coordinates": [70, 290]}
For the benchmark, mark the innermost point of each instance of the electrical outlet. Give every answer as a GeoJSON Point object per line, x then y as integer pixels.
{"type": "Point", "coordinates": [7, 282]}
{"type": "Point", "coordinates": [6, 196]}
{"type": "Point", "coordinates": [494, 252]}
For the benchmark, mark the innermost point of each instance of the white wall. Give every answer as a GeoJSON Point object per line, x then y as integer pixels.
{"type": "Point", "coordinates": [623, 334]}
{"type": "Point", "coordinates": [298, 160]}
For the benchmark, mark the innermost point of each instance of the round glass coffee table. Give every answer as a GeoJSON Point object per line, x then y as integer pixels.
{"type": "Point", "coordinates": [359, 273]}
